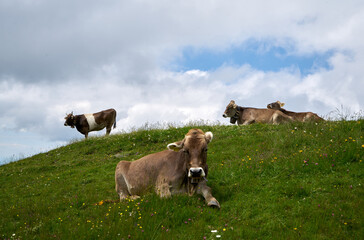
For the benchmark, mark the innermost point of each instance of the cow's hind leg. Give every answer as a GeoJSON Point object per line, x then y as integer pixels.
{"type": "Point", "coordinates": [108, 130]}
{"type": "Point", "coordinates": [279, 118]}
{"type": "Point", "coordinates": [121, 187]}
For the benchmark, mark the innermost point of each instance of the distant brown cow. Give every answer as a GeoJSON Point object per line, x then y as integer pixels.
{"type": "Point", "coordinates": [246, 115]}
{"type": "Point", "coordinates": [297, 116]}
{"type": "Point", "coordinates": [169, 172]}
{"type": "Point", "coordinates": [86, 123]}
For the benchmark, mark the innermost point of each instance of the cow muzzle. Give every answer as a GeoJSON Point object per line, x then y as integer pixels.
{"type": "Point", "coordinates": [195, 174]}
{"type": "Point", "coordinates": [224, 115]}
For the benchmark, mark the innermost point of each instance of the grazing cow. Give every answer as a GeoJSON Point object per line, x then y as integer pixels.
{"type": "Point", "coordinates": [86, 123]}
{"type": "Point", "coordinates": [183, 170]}
{"type": "Point", "coordinates": [245, 116]}
{"type": "Point", "coordinates": [297, 116]}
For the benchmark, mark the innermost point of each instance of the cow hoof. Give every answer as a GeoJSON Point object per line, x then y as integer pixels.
{"type": "Point", "coordinates": [213, 204]}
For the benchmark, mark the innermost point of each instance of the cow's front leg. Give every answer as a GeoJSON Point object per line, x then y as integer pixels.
{"type": "Point", "coordinates": [163, 188]}
{"type": "Point", "coordinates": [205, 191]}
{"type": "Point", "coordinates": [248, 122]}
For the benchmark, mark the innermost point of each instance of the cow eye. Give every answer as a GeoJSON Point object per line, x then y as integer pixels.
{"type": "Point", "coordinates": [205, 149]}
{"type": "Point", "coordinates": [186, 151]}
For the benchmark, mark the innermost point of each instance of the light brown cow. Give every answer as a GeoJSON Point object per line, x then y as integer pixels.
{"type": "Point", "coordinates": [245, 116]}
{"type": "Point", "coordinates": [86, 123]}
{"type": "Point", "coordinates": [169, 172]}
{"type": "Point", "coordinates": [297, 116]}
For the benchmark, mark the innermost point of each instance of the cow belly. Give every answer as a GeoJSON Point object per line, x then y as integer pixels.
{"type": "Point", "coordinates": [93, 126]}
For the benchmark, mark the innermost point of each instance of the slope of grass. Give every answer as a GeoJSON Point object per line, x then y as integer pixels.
{"type": "Point", "coordinates": [273, 182]}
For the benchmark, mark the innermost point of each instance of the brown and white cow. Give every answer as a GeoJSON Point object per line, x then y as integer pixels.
{"type": "Point", "coordinates": [247, 115]}
{"type": "Point", "coordinates": [169, 172]}
{"type": "Point", "coordinates": [86, 123]}
{"type": "Point", "coordinates": [297, 116]}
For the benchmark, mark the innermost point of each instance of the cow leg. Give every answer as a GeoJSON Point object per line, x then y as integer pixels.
{"type": "Point", "coordinates": [278, 118]}
{"type": "Point", "coordinates": [121, 187]}
{"type": "Point", "coordinates": [205, 191]}
{"type": "Point", "coordinates": [163, 188]}
{"type": "Point", "coordinates": [108, 130]}
{"type": "Point", "coordinates": [247, 122]}
{"type": "Point", "coordinates": [86, 135]}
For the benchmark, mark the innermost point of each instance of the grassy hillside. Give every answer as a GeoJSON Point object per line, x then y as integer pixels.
{"type": "Point", "coordinates": [273, 182]}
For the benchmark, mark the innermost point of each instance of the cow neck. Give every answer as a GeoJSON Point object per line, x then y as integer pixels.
{"type": "Point", "coordinates": [191, 187]}
{"type": "Point", "coordinates": [75, 118]}
{"type": "Point", "coordinates": [238, 111]}
{"type": "Point", "coordinates": [285, 111]}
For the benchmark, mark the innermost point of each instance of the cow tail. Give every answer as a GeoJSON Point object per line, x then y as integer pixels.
{"type": "Point", "coordinates": [115, 120]}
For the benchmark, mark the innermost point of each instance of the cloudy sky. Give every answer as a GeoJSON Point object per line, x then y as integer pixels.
{"type": "Point", "coordinates": [170, 61]}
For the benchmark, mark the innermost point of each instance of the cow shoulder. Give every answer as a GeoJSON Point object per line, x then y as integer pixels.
{"type": "Point", "coordinates": [81, 123]}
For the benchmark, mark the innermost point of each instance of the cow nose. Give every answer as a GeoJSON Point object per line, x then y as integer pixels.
{"type": "Point", "coordinates": [224, 115]}
{"type": "Point", "coordinates": [196, 172]}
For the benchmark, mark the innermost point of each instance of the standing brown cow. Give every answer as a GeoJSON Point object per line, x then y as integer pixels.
{"type": "Point", "coordinates": [169, 172]}
{"type": "Point", "coordinates": [297, 116]}
{"type": "Point", "coordinates": [245, 116]}
{"type": "Point", "coordinates": [86, 123]}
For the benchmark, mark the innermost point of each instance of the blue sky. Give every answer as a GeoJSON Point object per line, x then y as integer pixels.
{"type": "Point", "coordinates": [160, 62]}
{"type": "Point", "coordinates": [258, 55]}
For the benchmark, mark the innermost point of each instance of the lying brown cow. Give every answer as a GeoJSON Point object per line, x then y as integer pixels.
{"type": "Point", "coordinates": [169, 172]}
{"type": "Point", "coordinates": [246, 116]}
{"type": "Point", "coordinates": [297, 116]}
{"type": "Point", "coordinates": [86, 123]}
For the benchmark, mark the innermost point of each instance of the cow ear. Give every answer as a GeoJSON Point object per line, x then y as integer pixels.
{"type": "Point", "coordinates": [232, 102]}
{"type": "Point", "coordinates": [209, 136]}
{"type": "Point", "coordinates": [176, 146]}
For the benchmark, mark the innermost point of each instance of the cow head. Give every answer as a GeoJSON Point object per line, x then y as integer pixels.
{"type": "Point", "coordinates": [275, 105]}
{"type": "Point", "coordinates": [194, 150]}
{"type": "Point", "coordinates": [70, 120]}
{"type": "Point", "coordinates": [231, 110]}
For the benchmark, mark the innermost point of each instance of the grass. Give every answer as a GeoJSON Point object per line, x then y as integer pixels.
{"type": "Point", "coordinates": [273, 182]}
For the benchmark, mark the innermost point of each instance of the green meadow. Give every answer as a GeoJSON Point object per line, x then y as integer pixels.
{"type": "Point", "coordinates": [292, 181]}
